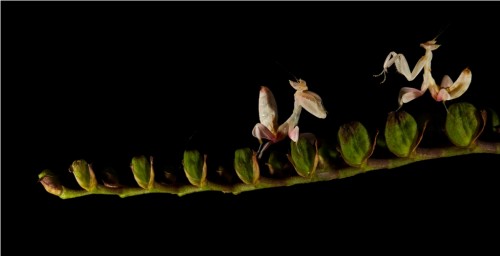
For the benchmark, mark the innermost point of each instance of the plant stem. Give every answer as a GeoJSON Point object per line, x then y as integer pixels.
{"type": "Point", "coordinates": [324, 172]}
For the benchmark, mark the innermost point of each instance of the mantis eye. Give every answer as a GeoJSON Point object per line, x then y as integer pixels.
{"type": "Point", "coordinates": [299, 86]}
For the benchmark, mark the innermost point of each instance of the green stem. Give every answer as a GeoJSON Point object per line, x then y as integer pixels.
{"type": "Point", "coordinates": [324, 173]}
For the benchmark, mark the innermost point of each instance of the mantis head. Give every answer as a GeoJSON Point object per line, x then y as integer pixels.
{"type": "Point", "coordinates": [299, 85]}
{"type": "Point", "coordinates": [430, 45]}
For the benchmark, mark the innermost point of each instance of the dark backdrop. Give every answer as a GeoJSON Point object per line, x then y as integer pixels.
{"type": "Point", "coordinates": [107, 81]}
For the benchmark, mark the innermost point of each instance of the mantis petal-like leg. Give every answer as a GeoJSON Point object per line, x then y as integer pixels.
{"type": "Point", "coordinates": [451, 90]}
{"type": "Point", "coordinates": [294, 134]}
{"type": "Point", "coordinates": [403, 68]}
{"type": "Point", "coordinates": [262, 132]}
{"type": "Point", "coordinates": [461, 85]}
{"type": "Point", "coordinates": [311, 102]}
{"type": "Point", "coordinates": [407, 94]}
{"type": "Point", "coordinates": [446, 82]}
{"type": "Point", "coordinates": [443, 95]}
{"type": "Point", "coordinates": [389, 60]}
{"type": "Point", "coordinates": [263, 148]}
{"type": "Point", "coordinates": [268, 114]}
{"type": "Point", "coordinates": [401, 63]}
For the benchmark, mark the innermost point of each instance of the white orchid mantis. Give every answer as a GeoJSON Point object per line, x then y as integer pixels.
{"type": "Point", "coordinates": [448, 90]}
{"type": "Point", "coordinates": [268, 128]}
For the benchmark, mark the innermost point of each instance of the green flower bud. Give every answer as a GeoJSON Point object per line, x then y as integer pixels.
{"type": "Point", "coordinates": [50, 182]}
{"type": "Point", "coordinates": [401, 133]}
{"type": "Point", "coordinates": [277, 164]}
{"type": "Point", "coordinates": [84, 174]}
{"type": "Point", "coordinates": [355, 144]}
{"type": "Point", "coordinates": [143, 171]}
{"type": "Point", "coordinates": [246, 165]}
{"type": "Point", "coordinates": [304, 155]}
{"type": "Point", "coordinates": [493, 121]}
{"type": "Point", "coordinates": [464, 124]}
{"type": "Point", "coordinates": [195, 167]}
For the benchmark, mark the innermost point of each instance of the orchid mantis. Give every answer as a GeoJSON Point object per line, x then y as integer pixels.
{"type": "Point", "coordinates": [268, 128]}
{"type": "Point", "coordinates": [448, 89]}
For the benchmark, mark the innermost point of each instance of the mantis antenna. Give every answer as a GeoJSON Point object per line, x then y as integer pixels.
{"type": "Point", "coordinates": [286, 70]}
{"type": "Point", "coordinates": [441, 31]}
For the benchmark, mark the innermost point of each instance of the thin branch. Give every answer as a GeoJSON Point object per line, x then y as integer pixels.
{"type": "Point", "coordinates": [324, 173]}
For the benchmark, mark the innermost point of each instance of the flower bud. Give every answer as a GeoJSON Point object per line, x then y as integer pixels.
{"type": "Point", "coordinates": [304, 155]}
{"type": "Point", "coordinates": [195, 167]}
{"type": "Point", "coordinates": [246, 165]}
{"type": "Point", "coordinates": [84, 174]}
{"type": "Point", "coordinates": [464, 124]}
{"type": "Point", "coordinates": [50, 182]}
{"type": "Point", "coordinates": [143, 171]}
{"type": "Point", "coordinates": [401, 133]}
{"type": "Point", "coordinates": [355, 144]}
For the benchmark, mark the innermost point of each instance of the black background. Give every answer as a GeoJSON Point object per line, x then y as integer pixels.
{"type": "Point", "coordinates": [107, 81]}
